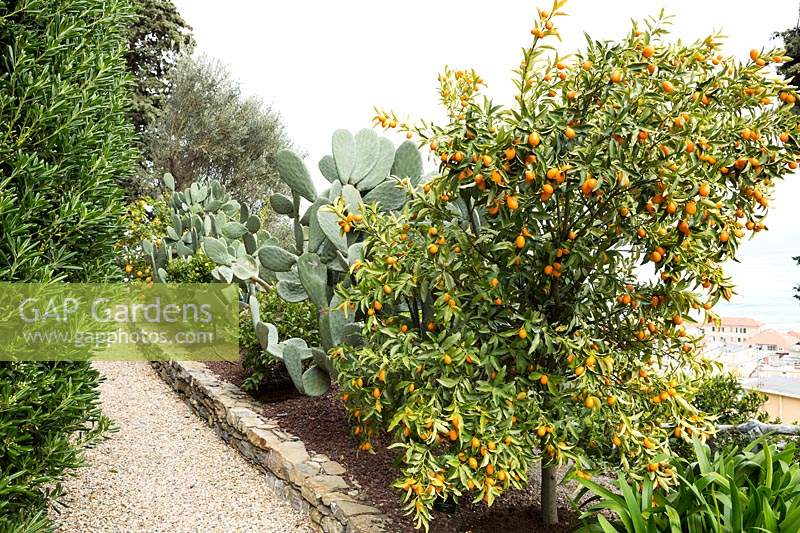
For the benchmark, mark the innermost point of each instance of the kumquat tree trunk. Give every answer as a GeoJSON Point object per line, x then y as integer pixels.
{"type": "Point", "coordinates": [529, 303]}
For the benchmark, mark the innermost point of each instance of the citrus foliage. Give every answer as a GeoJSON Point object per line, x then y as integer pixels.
{"type": "Point", "coordinates": [530, 301]}
{"type": "Point", "coordinates": [790, 68]}
{"type": "Point", "coordinates": [144, 218]}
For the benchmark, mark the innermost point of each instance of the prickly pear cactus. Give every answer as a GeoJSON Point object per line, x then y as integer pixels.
{"type": "Point", "coordinates": [363, 169]}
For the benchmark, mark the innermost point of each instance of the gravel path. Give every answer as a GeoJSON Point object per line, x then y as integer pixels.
{"type": "Point", "coordinates": [165, 470]}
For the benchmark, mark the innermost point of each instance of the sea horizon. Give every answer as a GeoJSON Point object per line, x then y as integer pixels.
{"type": "Point", "coordinates": [782, 316]}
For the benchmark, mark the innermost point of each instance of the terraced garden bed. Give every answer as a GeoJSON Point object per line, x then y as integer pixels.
{"type": "Point", "coordinates": [321, 424]}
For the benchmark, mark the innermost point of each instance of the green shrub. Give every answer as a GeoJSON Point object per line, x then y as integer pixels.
{"type": "Point", "coordinates": [724, 397]}
{"type": "Point", "coordinates": [65, 143]}
{"type": "Point", "coordinates": [145, 218]}
{"type": "Point", "coordinates": [755, 489]}
{"type": "Point", "coordinates": [48, 412]}
{"type": "Point", "coordinates": [291, 320]}
{"type": "Point", "coordinates": [193, 269]}
{"type": "Point", "coordinates": [64, 147]}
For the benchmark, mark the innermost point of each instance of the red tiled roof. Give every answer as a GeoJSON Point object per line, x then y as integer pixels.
{"type": "Point", "coordinates": [740, 321]}
{"type": "Point", "coordinates": [795, 334]}
{"type": "Point", "coordinates": [772, 337]}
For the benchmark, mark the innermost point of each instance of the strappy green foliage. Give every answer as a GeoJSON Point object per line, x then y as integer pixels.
{"type": "Point", "coordinates": [755, 489]}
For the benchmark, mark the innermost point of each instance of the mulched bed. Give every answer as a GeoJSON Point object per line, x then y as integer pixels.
{"type": "Point", "coordinates": [322, 425]}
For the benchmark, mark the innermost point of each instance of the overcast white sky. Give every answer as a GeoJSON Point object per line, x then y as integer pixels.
{"type": "Point", "coordinates": [324, 65]}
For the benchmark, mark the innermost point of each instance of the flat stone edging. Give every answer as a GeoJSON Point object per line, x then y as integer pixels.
{"type": "Point", "coordinates": [312, 484]}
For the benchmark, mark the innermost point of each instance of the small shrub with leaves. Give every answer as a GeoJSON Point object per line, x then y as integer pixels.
{"type": "Point", "coordinates": [291, 320]}
{"type": "Point", "coordinates": [144, 218]}
{"type": "Point", "coordinates": [724, 397]}
{"type": "Point", "coordinates": [755, 489]}
{"type": "Point", "coordinates": [48, 413]}
{"type": "Point", "coordinates": [193, 269]}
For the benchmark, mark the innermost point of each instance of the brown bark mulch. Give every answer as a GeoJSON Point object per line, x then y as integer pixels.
{"type": "Point", "coordinates": [321, 423]}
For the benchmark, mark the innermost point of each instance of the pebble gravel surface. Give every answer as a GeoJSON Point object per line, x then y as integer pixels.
{"type": "Point", "coordinates": [165, 470]}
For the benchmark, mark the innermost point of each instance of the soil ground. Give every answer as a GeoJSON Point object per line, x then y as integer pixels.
{"type": "Point", "coordinates": [321, 423]}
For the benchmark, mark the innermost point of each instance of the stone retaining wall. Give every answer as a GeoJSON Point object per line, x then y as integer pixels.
{"type": "Point", "coordinates": [311, 482]}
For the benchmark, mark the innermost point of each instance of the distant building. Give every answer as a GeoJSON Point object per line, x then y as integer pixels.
{"type": "Point", "coordinates": [741, 361]}
{"type": "Point", "coordinates": [785, 364]}
{"type": "Point", "coordinates": [732, 330]}
{"type": "Point", "coordinates": [783, 396]}
{"type": "Point", "coordinates": [771, 340]}
{"type": "Point", "coordinates": [728, 343]}
{"type": "Point", "coordinates": [745, 348]}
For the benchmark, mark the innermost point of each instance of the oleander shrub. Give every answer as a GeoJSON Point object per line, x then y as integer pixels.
{"type": "Point", "coordinates": [48, 412]}
{"type": "Point", "coordinates": [65, 146]}
{"type": "Point", "coordinates": [65, 142]}
{"type": "Point", "coordinates": [753, 489]}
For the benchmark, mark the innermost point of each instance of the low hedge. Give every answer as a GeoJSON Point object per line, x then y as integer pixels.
{"type": "Point", "coordinates": [48, 412]}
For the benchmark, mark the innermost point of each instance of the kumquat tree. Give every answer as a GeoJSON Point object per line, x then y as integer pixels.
{"type": "Point", "coordinates": [530, 303]}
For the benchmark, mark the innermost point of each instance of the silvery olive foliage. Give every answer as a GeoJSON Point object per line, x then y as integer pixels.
{"type": "Point", "coordinates": [209, 130]}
